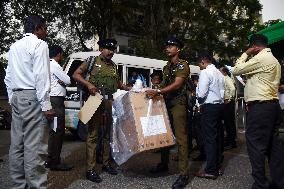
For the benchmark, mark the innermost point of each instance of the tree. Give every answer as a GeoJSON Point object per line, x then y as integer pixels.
{"type": "Point", "coordinates": [201, 24]}
{"type": "Point", "coordinates": [207, 25]}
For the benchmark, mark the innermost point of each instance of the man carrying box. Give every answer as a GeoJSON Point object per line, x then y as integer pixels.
{"type": "Point", "coordinates": [174, 89]}
{"type": "Point", "coordinates": [100, 74]}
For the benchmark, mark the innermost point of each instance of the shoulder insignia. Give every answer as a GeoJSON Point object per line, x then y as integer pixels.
{"type": "Point", "coordinates": [180, 66]}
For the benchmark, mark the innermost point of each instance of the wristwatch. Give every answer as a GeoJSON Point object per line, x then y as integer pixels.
{"type": "Point", "coordinates": [159, 91]}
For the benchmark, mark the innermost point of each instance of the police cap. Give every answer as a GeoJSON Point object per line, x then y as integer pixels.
{"type": "Point", "coordinates": [107, 44]}
{"type": "Point", "coordinates": [174, 41]}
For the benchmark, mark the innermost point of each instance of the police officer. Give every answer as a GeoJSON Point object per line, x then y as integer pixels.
{"type": "Point", "coordinates": [99, 74]}
{"type": "Point", "coordinates": [174, 90]}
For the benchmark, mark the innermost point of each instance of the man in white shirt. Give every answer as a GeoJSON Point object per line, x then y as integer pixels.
{"type": "Point", "coordinates": [28, 83]}
{"type": "Point", "coordinates": [229, 110]}
{"type": "Point", "coordinates": [59, 80]}
{"type": "Point", "coordinates": [210, 94]}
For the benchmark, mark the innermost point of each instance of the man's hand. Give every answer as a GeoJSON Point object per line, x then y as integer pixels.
{"type": "Point", "coordinates": [49, 114]}
{"type": "Point", "coordinates": [92, 89]}
{"type": "Point", "coordinates": [251, 51]}
{"type": "Point", "coordinates": [151, 93]}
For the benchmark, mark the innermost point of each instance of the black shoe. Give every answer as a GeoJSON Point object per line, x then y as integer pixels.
{"type": "Point", "coordinates": [60, 167]}
{"type": "Point", "coordinates": [199, 158]}
{"type": "Point", "coordinates": [203, 174]}
{"type": "Point", "coordinates": [230, 146]}
{"type": "Point", "coordinates": [91, 175]}
{"type": "Point", "coordinates": [181, 182]}
{"type": "Point", "coordinates": [159, 168]}
{"type": "Point", "coordinates": [109, 169]}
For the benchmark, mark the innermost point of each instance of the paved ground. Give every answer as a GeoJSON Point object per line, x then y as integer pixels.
{"type": "Point", "coordinates": [135, 173]}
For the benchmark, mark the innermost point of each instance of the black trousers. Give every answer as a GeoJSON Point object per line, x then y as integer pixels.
{"type": "Point", "coordinates": [262, 137]}
{"type": "Point", "coordinates": [213, 133]}
{"type": "Point", "coordinates": [197, 133]}
{"type": "Point", "coordinates": [55, 140]}
{"type": "Point", "coordinates": [229, 123]}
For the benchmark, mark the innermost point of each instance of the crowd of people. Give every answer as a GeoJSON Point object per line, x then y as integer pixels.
{"type": "Point", "coordinates": [36, 88]}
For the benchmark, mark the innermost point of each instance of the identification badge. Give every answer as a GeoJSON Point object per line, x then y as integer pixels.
{"type": "Point", "coordinates": [180, 66]}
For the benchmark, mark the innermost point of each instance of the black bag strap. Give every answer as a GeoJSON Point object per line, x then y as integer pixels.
{"type": "Point", "coordinates": [91, 62]}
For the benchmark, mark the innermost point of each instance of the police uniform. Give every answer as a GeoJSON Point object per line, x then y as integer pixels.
{"type": "Point", "coordinates": [104, 76]}
{"type": "Point", "coordinates": [176, 102]}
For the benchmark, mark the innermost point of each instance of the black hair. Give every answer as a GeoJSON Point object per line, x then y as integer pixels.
{"type": "Point", "coordinates": [258, 39]}
{"type": "Point", "coordinates": [154, 74]}
{"type": "Point", "coordinates": [32, 23]}
{"type": "Point", "coordinates": [226, 70]}
{"type": "Point", "coordinates": [55, 50]}
{"type": "Point", "coordinates": [205, 56]}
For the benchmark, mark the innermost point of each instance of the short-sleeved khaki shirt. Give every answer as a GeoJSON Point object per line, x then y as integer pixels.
{"type": "Point", "coordinates": [170, 72]}
{"type": "Point", "coordinates": [103, 74]}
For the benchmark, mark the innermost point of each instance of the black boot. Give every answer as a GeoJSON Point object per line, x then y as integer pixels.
{"type": "Point", "coordinates": [181, 182]}
{"type": "Point", "coordinates": [93, 176]}
{"type": "Point", "coordinates": [109, 169]}
{"type": "Point", "coordinates": [159, 168]}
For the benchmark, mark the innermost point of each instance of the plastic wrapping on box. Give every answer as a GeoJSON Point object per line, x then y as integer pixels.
{"type": "Point", "coordinates": [120, 145]}
{"type": "Point", "coordinates": [139, 124]}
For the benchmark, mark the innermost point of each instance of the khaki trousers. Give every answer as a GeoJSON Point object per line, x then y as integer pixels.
{"type": "Point", "coordinates": [99, 129]}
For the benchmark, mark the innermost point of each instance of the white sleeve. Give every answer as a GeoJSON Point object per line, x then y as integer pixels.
{"type": "Point", "coordinates": [8, 81]}
{"type": "Point", "coordinates": [61, 75]}
{"type": "Point", "coordinates": [41, 71]}
{"type": "Point", "coordinates": [203, 85]}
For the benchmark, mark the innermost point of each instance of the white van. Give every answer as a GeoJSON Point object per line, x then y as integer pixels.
{"type": "Point", "coordinates": [125, 65]}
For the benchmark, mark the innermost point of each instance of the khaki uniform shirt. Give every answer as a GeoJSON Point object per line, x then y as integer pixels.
{"type": "Point", "coordinates": [170, 72]}
{"type": "Point", "coordinates": [263, 74]}
{"type": "Point", "coordinates": [104, 73]}
{"type": "Point", "coordinates": [230, 88]}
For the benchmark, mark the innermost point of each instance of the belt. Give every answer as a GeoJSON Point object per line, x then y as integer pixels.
{"type": "Point", "coordinates": [108, 97]}
{"type": "Point", "coordinates": [20, 89]}
{"type": "Point", "coordinates": [262, 102]}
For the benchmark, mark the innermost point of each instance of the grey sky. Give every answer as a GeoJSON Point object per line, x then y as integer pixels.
{"type": "Point", "coordinates": [272, 9]}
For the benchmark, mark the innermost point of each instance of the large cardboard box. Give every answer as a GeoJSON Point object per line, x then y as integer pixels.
{"type": "Point", "coordinates": [142, 124]}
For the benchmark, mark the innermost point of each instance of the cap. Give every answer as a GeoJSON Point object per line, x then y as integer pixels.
{"type": "Point", "coordinates": [174, 41]}
{"type": "Point", "coordinates": [107, 44]}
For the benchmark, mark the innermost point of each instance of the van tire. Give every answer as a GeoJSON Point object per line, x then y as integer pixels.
{"type": "Point", "coordinates": [82, 131]}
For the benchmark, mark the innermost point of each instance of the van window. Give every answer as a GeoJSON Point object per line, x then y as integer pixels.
{"type": "Point", "coordinates": [75, 64]}
{"type": "Point", "coordinates": [135, 73]}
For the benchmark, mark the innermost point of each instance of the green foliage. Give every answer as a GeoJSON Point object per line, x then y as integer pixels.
{"type": "Point", "coordinates": [3, 61]}
{"type": "Point", "coordinates": [221, 26]}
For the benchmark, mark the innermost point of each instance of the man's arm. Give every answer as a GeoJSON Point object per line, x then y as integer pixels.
{"type": "Point", "coordinates": [41, 71]}
{"type": "Point", "coordinates": [172, 87]}
{"type": "Point", "coordinates": [8, 81]}
{"type": "Point", "coordinates": [232, 88]}
{"type": "Point", "coordinates": [61, 75]}
{"type": "Point", "coordinates": [251, 66]}
{"type": "Point", "coordinates": [78, 76]}
{"type": "Point", "coordinates": [203, 86]}
{"type": "Point", "coordinates": [123, 87]}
